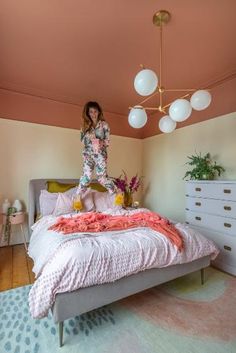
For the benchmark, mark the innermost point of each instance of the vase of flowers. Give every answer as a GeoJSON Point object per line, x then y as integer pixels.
{"type": "Point", "coordinates": [128, 187]}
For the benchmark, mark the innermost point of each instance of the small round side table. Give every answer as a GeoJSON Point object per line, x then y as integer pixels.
{"type": "Point", "coordinates": [17, 219]}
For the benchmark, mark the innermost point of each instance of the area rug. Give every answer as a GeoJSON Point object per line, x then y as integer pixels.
{"type": "Point", "coordinates": [181, 316]}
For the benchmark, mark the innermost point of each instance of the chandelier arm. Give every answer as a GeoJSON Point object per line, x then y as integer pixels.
{"type": "Point", "coordinates": [151, 108]}
{"type": "Point", "coordinates": [180, 90]}
{"type": "Point", "coordinates": [160, 105]}
{"type": "Point", "coordinates": [167, 105]}
{"type": "Point", "coordinates": [146, 99]}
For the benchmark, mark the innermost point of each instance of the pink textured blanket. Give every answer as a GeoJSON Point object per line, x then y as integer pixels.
{"type": "Point", "coordinates": [97, 222]}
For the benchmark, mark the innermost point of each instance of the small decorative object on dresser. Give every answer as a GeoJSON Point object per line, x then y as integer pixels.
{"type": "Point", "coordinates": [211, 209]}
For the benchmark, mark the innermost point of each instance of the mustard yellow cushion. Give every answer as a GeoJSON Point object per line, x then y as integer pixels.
{"type": "Point", "coordinates": [55, 186]}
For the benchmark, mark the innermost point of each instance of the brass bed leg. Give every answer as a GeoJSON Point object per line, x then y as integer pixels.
{"type": "Point", "coordinates": [202, 276]}
{"type": "Point", "coordinates": [61, 333]}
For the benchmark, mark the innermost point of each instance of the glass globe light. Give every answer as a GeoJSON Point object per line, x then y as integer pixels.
{"type": "Point", "coordinates": [137, 117]}
{"type": "Point", "coordinates": [200, 100]}
{"type": "Point", "coordinates": [180, 110]}
{"type": "Point", "coordinates": [145, 82]}
{"type": "Point", "coordinates": [166, 124]}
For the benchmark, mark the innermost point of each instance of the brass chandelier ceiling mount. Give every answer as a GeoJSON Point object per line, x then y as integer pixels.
{"type": "Point", "coordinates": [146, 83]}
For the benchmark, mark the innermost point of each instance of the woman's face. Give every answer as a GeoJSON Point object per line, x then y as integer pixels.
{"type": "Point", "coordinates": [93, 113]}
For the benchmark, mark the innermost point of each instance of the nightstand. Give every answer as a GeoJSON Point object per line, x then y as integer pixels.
{"type": "Point", "coordinates": [16, 219]}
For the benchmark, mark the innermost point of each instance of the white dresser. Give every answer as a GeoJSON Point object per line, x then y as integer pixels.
{"type": "Point", "coordinates": [211, 209]}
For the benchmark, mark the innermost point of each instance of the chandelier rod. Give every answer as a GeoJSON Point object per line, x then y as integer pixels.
{"type": "Point", "coordinates": [160, 85]}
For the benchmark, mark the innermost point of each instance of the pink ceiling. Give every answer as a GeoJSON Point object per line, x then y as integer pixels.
{"type": "Point", "coordinates": [72, 51]}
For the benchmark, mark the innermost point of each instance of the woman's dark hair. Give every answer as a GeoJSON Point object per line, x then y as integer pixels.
{"type": "Point", "coordinates": [86, 120]}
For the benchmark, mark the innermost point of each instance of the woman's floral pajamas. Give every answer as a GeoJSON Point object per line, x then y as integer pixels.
{"type": "Point", "coordinates": [96, 157]}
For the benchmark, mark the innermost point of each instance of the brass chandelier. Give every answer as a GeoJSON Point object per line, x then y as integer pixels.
{"type": "Point", "coordinates": [146, 83]}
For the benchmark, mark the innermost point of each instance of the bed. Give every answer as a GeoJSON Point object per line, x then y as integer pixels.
{"type": "Point", "coordinates": [82, 300]}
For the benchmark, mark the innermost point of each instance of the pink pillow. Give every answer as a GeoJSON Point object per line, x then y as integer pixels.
{"type": "Point", "coordinates": [104, 201]}
{"type": "Point", "coordinates": [64, 204]}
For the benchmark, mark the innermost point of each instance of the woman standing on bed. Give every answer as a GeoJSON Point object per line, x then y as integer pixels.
{"type": "Point", "coordinates": [95, 135]}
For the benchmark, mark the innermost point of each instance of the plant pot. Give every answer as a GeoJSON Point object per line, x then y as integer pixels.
{"type": "Point", "coordinates": [208, 176]}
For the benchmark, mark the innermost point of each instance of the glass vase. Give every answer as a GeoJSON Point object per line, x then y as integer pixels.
{"type": "Point", "coordinates": [128, 199]}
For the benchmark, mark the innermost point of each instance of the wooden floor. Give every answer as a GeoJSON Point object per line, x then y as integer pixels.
{"type": "Point", "coordinates": [15, 267]}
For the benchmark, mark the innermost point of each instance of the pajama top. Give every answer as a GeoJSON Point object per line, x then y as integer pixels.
{"type": "Point", "coordinates": [101, 132]}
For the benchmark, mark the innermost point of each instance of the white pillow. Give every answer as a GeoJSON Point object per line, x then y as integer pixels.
{"type": "Point", "coordinates": [54, 203]}
{"type": "Point", "coordinates": [64, 204]}
{"type": "Point", "coordinates": [104, 201]}
{"type": "Point", "coordinates": [87, 201]}
{"type": "Point", "coordinates": [47, 200]}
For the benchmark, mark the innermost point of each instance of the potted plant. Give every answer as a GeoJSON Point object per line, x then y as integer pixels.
{"type": "Point", "coordinates": [204, 168]}
{"type": "Point", "coordinates": [128, 187]}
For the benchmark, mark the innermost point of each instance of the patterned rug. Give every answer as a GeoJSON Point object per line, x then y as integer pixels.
{"type": "Point", "coordinates": [180, 316]}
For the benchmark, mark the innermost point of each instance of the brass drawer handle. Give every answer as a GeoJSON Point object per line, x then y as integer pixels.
{"type": "Point", "coordinates": [227, 208]}
{"type": "Point", "coordinates": [227, 191]}
{"type": "Point", "coordinates": [198, 203]}
{"type": "Point", "coordinates": [227, 225]}
{"type": "Point", "coordinates": [198, 189]}
{"type": "Point", "coordinates": [198, 218]}
{"type": "Point", "coordinates": [226, 247]}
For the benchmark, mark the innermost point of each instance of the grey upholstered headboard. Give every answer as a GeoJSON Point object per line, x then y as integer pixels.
{"type": "Point", "coordinates": [35, 185]}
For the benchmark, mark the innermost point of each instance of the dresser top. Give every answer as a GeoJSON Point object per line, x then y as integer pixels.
{"type": "Point", "coordinates": [212, 181]}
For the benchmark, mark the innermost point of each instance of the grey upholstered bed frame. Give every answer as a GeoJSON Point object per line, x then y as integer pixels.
{"type": "Point", "coordinates": [80, 301]}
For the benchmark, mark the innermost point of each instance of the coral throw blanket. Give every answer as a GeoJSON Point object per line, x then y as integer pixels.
{"type": "Point", "coordinates": [99, 222]}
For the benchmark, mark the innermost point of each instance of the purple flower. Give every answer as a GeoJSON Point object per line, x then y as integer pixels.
{"type": "Point", "coordinates": [133, 182]}
{"type": "Point", "coordinates": [124, 185]}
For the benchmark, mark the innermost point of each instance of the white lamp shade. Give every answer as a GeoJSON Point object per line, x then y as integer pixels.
{"type": "Point", "coordinates": [145, 82]}
{"type": "Point", "coordinates": [180, 110]}
{"type": "Point", "coordinates": [166, 124]}
{"type": "Point", "coordinates": [137, 117]}
{"type": "Point", "coordinates": [200, 100]}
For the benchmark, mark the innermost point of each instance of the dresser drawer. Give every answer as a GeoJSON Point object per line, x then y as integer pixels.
{"type": "Point", "coordinates": [216, 207]}
{"type": "Point", "coordinates": [220, 224]}
{"type": "Point", "coordinates": [221, 191]}
{"type": "Point", "coordinates": [226, 245]}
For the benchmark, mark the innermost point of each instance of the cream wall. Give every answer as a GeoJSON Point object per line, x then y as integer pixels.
{"type": "Point", "coordinates": [164, 158]}
{"type": "Point", "coordinates": [29, 150]}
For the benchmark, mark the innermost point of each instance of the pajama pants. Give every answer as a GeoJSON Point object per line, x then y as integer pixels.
{"type": "Point", "coordinates": [99, 162]}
